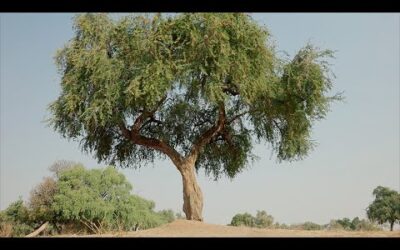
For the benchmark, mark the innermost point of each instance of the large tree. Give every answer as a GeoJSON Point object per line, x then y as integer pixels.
{"type": "Point", "coordinates": [385, 207]}
{"type": "Point", "coordinates": [196, 88]}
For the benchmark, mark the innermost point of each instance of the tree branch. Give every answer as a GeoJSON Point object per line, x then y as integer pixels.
{"type": "Point", "coordinates": [208, 135]}
{"type": "Point", "coordinates": [279, 127]}
{"type": "Point", "coordinates": [238, 116]}
{"type": "Point", "coordinates": [230, 91]}
{"type": "Point", "coordinates": [152, 119]}
{"type": "Point", "coordinates": [156, 144]}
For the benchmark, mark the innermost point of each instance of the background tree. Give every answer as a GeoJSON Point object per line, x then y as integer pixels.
{"type": "Point", "coordinates": [195, 88]}
{"type": "Point", "coordinates": [263, 219]}
{"type": "Point", "coordinates": [385, 207]}
{"type": "Point", "coordinates": [41, 200]}
{"type": "Point", "coordinates": [57, 167]}
{"type": "Point", "coordinates": [245, 219]}
{"type": "Point", "coordinates": [308, 226]}
{"type": "Point", "coordinates": [345, 223]}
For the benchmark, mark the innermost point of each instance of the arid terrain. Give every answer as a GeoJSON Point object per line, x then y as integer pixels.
{"type": "Point", "coordinates": [183, 228]}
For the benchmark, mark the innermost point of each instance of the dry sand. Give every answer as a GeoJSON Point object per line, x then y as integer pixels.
{"type": "Point", "coordinates": [184, 228]}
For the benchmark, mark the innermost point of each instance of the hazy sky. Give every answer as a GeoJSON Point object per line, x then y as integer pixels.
{"type": "Point", "coordinates": [358, 143]}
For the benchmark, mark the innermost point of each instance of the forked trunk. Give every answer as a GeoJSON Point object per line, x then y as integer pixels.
{"type": "Point", "coordinates": [192, 195]}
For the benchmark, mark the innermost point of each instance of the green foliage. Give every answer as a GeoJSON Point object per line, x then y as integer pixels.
{"type": "Point", "coordinates": [16, 216]}
{"type": "Point", "coordinates": [245, 219]}
{"type": "Point", "coordinates": [352, 225]}
{"type": "Point", "coordinates": [101, 200]}
{"type": "Point", "coordinates": [82, 200]}
{"type": "Point", "coordinates": [311, 226]}
{"type": "Point", "coordinates": [345, 223]}
{"type": "Point", "coordinates": [385, 207]}
{"type": "Point", "coordinates": [261, 220]}
{"type": "Point", "coordinates": [184, 68]}
{"type": "Point", "coordinates": [167, 215]}
{"type": "Point", "coordinates": [17, 211]}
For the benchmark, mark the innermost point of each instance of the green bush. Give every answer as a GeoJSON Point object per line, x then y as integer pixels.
{"type": "Point", "coordinates": [311, 226]}
{"type": "Point", "coordinates": [352, 225]}
{"type": "Point", "coordinates": [84, 201]}
{"type": "Point", "coordinates": [245, 219]}
{"type": "Point", "coordinates": [15, 221]}
{"type": "Point", "coordinates": [261, 220]}
{"type": "Point", "coordinates": [167, 215]}
{"type": "Point", "coordinates": [101, 200]}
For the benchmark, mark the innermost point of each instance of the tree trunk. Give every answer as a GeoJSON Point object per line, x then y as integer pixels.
{"type": "Point", "coordinates": [192, 195]}
{"type": "Point", "coordinates": [391, 225]}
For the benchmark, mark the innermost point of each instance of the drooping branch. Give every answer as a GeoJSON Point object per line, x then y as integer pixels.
{"type": "Point", "coordinates": [279, 127]}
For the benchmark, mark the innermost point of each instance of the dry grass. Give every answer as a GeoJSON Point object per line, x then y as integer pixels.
{"type": "Point", "coordinates": [5, 230]}
{"type": "Point", "coordinates": [183, 228]}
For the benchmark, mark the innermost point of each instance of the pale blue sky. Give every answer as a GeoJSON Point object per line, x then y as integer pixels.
{"type": "Point", "coordinates": [358, 143]}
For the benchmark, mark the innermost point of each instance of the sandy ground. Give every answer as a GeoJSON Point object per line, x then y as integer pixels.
{"type": "Point", "coordinates": [183, 228]}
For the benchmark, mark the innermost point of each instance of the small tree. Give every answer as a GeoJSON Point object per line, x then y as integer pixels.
{"type": "Point", "coordinates": [385, 207]}
{"type": "Point", "coordinates": [41, 200]}
{"type": "Point", "coordinates": [263, 219]}
{"type": "Point", "coordinates": [101, 199]}
{"type": "Point", "coordinates": [196, 88]}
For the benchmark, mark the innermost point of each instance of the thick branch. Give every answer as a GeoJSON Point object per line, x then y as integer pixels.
{"type": "Point", "coordinates": [158, 145]}
{"type": "Point", "coordinates": [208, 134]}
{"type": "Point", "coordinates": [153, 143]}
{"type": "Point", "coordinates": [39, 230]}
{"type": "Point", "coordinates": [135, 136]}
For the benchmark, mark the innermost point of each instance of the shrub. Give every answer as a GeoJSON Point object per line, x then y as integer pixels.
{"type": "Point", "coordinates": [245, 219]}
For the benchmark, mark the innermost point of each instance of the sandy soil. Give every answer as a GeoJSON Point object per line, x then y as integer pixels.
{"type": "Point", "coordinates": [183, 228]}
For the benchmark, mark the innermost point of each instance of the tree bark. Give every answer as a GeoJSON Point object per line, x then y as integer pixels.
{"type": "Point", "coordinates": [391, 225]}
{"type": "Point", "coordinates": [38, 231]}
{"type": "Point", "coordinates": [192, 195]}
